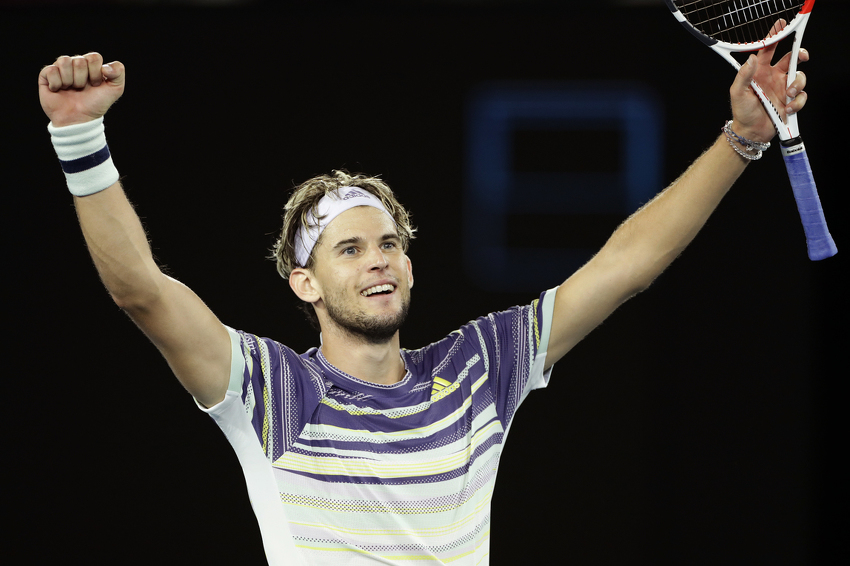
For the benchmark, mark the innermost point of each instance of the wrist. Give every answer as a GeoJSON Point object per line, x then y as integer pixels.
{"type": "Point", "coordinates": [748, 149]}
{"type": "Point", "coordinates": [61, 122]}
{"type": "Point", "coordinates": [752, 132]}
{"type": "Point", "coordinates": [84, 156]}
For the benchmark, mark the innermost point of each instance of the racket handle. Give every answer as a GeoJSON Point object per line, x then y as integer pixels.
{"type": "Point", "coordinates": [818, 239]}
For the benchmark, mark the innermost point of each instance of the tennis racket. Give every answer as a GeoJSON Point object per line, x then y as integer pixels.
{"type": "Point", "coordinates": [737, 26]}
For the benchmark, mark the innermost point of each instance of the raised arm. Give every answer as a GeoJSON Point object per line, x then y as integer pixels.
{"type": "Point", "coordinates": [78, 91]}
{"type": "Point", "coordinates": [645, 244]}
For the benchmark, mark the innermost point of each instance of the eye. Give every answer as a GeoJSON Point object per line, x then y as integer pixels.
{"type": "Point", "coordinates": [389, 245]}
{"type": "Point", "coordinates": [351, 250]}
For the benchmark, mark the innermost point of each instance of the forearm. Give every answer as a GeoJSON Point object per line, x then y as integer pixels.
{"type": "Point", "coordinates": [118, 246]}
{"type": "Point", "coordinates": [641, 248]}
{"type": "Point", "coordinates": [657, 233]}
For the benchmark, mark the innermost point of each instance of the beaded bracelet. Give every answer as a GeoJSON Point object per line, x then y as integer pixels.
{"type": "Point", "coordinates": [750, 145]}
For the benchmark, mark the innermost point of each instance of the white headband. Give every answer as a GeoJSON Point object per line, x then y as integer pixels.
{"type": "Point", "coordinates": [330, 206]}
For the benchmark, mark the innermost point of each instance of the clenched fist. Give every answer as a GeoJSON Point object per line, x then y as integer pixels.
{"type": "Point", "coordinates": [74, 90]}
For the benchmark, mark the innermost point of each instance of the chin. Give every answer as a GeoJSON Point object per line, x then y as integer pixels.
{"type": "Point", "coordinates": [372, 329]}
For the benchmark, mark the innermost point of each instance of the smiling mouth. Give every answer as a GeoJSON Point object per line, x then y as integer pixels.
{"type": "Point", "coordinates": [378, 290]}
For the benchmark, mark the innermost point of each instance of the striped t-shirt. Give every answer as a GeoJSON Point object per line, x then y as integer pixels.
{"type": "Point", "coordinates": [350, 472]}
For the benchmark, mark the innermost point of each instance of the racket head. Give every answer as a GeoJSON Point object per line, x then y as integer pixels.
{"type": "Point", "coordinates": [740, 25]}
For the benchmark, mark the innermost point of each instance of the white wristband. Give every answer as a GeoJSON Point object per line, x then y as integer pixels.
{"type": "Point", "coordinates": [84, 157]}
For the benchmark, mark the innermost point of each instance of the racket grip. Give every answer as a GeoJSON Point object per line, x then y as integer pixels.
{"type": "Point", "coordinates": [818, 239]}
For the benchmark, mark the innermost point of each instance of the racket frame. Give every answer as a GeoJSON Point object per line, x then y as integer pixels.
{"type": "Point", "coordinates": [789, 129]}
{"type": "Point", "coordinates": [818, 239]}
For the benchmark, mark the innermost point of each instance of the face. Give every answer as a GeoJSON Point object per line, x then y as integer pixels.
{"type": "Point", "coordinates": [363, 275]}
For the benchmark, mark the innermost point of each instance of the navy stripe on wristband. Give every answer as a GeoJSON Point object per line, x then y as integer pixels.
{"type": "Point", "coordinates": [87, 162]}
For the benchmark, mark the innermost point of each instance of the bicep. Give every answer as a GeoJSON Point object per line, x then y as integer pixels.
{"type": "Point", "coordinates": [585, 300]}
{"type": "Point", "coordinates": [194, 342]}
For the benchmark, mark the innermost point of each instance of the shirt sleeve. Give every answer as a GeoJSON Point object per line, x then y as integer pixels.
{"type": "Point", "coordinates": [538, 378]}
{"type": "Point", "coordinates": [279, 390]}
{"type": "Point", "coordinates": [237, 362]}
{"type": "Point", "coordinates": [513, 345]}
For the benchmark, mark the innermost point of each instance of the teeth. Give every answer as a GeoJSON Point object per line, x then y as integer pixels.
{"type": "Point", "coordinates": [376, 289]}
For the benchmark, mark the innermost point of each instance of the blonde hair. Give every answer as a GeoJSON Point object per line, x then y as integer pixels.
{"type": "Point", "coordinates": [305, 198]}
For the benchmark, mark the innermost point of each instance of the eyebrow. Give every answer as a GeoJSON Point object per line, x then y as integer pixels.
{"type": "Point", "coordinates": [358, 240]}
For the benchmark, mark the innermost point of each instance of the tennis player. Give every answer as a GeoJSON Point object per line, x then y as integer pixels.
{"type": "Point", "coordinates": [357, 451]}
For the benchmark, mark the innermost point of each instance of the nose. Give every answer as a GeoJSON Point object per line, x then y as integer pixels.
{"type": "Point", "coordinates": [376, 259]}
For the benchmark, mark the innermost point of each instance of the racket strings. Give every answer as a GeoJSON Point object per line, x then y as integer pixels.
{"type": "Point", "coordinates": [738, 21]}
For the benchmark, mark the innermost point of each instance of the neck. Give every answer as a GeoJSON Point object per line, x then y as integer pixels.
{"type": "Point", "coordinates": [375, 363]}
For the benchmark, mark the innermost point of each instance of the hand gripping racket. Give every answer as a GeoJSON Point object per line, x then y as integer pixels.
{"type": "Point", "coordinates": [736, 26]}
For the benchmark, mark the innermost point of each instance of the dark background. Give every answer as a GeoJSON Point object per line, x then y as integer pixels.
{"type": "Point", "coordinates": [702, 424]}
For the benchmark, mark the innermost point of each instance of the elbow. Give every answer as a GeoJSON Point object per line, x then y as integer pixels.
{"type": "Point", "coordinates": [133, 302]}
{"type": "Point", "coordinates": [635, 288]}
{"type": "Point", "coordinates": [656, 268]}
{"type": "Point", "coordinates": [642, 274]}
{"type": "Point", "coordinates": [138, 297]}
{"type": "Point", "coordinates": [124, 301]}
{"type": "Point", "coordinates": [639, 287]}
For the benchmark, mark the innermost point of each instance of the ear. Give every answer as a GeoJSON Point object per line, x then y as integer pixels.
{"type": "Point", "coordinates": [304, 285]}
{"type": "Point", "coordinates": [409, 274]}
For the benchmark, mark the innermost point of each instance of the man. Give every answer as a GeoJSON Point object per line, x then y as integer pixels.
{"type": "Point", "coordinates": [358, 452]}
